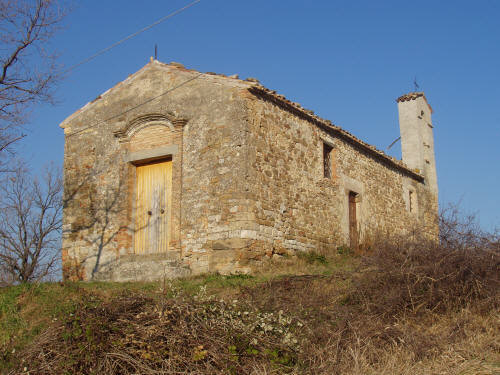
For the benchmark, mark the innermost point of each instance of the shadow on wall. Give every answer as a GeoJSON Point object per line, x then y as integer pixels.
{"type": "Point", "coordinates": [92, 226]}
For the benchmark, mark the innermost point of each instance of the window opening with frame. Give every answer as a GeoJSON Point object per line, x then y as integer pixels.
{"type": "Point", "coordinates": [327, 160]}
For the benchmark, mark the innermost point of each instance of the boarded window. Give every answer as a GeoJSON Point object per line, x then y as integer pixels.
{"type": "Point", "coordinates": [327, 160]}
{"type": "Point", "coordinates": [412, 201]}
{"type": "Point", "coordinates": [153, 205]}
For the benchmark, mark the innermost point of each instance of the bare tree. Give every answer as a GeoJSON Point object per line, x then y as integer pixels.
{"type": "Point", "coordinates": [461, 230]}
{"type": "Point", "coordinates": [30, 224]}
{"type": "Point", "coordinates": [28, 69]}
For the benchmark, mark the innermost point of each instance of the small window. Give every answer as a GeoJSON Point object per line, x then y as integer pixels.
{"type": "Point", "coordinates": [327, 160]}
{"type": "Point", "coordinates": [412, 201]}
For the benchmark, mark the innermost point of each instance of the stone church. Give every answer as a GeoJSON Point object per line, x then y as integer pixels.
{"type": "Point", "coordinates": [175, 172]}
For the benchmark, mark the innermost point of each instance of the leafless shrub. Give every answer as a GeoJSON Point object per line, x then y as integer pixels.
{"type": "Point", "coordinates": [461, 270]}
{"type": "Point", "coordinates": [131, 335]}
{"type": "Point", "coordinates": [462, 231]}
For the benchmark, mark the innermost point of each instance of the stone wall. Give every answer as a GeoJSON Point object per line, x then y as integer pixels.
{"type": "Point", "coordinates": [298, 209]}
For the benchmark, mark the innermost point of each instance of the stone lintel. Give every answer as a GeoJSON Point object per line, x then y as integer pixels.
{"type": "Point", "coordinates": [149, 155]}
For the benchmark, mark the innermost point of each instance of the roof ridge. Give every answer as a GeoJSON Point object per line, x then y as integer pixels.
{"type": "Point", "coordinates": [152, 62]}
{"type": "Point", "coordinates": [82, 109]}
{"type": "Point", "coordinates": [255, 85]}
{"type": "Point", "coordinates": [328, 124]}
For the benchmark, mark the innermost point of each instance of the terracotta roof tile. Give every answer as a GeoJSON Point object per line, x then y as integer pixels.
{"type": "Point", "coordinates": [410, 96]}
{"type": "Point", "coordinates": [413, 96]}
{"type": "Point", "coordinates": [259, 89]}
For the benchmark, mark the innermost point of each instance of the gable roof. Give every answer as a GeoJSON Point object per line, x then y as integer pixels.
{"type": "Point", "coordinates": [173, 66]}
{"type": "Point", "coordinates": [254, 87]}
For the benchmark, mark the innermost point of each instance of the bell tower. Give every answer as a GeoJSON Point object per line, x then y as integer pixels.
{"type": "Point", "coordinates": [417, 139]}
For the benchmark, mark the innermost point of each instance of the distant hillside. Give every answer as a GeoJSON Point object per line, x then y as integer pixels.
{"type": "Point", "coordinates": [400, 310]}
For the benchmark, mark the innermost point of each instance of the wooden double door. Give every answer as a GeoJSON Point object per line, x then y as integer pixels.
{"type": "Point", "coordinates": [153, 207]}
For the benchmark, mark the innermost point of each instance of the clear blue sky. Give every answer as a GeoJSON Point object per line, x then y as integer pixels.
{"type": "Point", "coordinates": [346, 60]}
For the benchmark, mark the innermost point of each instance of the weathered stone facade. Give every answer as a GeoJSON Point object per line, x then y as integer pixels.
{"type": "Point", "coordinates": [248, 177]}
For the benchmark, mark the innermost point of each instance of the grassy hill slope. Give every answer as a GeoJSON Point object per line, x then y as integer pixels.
{"type": "Point", "coordinates": [411, 310]}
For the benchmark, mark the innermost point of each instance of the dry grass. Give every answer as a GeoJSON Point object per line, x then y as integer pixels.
{"type": "Point", "coordinates": [407, 308]}
{"type": "Point", "coordinates": [462, 343]}
{"type": "Point", "coordinates": [403, 276]}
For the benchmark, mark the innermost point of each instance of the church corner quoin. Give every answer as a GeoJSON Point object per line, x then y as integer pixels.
{"type": "Point", "coordinates": [173, 172]}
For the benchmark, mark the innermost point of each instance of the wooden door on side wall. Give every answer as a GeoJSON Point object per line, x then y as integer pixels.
{"type": "Point", "coordinates": [353, 222]}
{"type": "Point", "coordinates": [153, 207]}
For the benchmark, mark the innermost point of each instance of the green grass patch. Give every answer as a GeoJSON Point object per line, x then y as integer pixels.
{"type": "Point", "coordinates": [312, 257]}
{"type": "Point", "coordinates": [110, 288]}
{"type": "Point", "coordinates": [215, 282]}
{"type": "Point", "coordinates": [28, 309]}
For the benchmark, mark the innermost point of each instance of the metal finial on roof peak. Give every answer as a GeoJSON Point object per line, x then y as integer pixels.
{"type": "Point", "coordinates": [415, 84]}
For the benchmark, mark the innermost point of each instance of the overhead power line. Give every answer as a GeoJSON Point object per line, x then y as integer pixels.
{"type": "Point", "coordinates": [136, 106]}
{"type": "Point", "coordinates": [163, 19]}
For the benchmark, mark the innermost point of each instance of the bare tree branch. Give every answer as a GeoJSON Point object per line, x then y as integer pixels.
{"type": "Point", "coordinates": [30, 224]}
{"type": "Point", "coordinates": [28, 71]}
